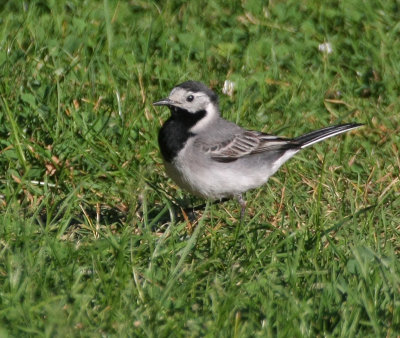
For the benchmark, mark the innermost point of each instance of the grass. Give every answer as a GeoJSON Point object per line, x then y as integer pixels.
{"type": "Point", "coordinates": [92, 238]}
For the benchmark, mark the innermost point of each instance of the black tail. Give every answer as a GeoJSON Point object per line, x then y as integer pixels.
{"type": "Point", "coordinates": [324, 133]}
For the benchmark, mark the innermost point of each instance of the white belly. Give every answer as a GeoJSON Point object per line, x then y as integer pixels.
{"type": "Point", "coordinates": [216, 181]}
{"type": "Point", "coordinates": [204, 177]}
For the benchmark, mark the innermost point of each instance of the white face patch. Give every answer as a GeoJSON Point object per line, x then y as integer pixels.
{"type": "Point", "coordinates": [192, 102]}
{"type": "Point", "coordinates": [211, 113]}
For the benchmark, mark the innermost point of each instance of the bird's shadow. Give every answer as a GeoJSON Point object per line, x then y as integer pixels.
{"type": "Point", "coordinates": [176, 211]}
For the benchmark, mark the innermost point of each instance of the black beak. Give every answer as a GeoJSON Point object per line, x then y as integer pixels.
{"type": "Point", "coordinates": [164, 102]}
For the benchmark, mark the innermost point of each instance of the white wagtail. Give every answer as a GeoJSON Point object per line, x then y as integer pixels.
{"type": "Point", "coordinates": [213, 158]}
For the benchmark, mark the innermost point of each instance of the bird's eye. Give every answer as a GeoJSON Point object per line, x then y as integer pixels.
{"type": "Point", "coordinates": [190, 98]}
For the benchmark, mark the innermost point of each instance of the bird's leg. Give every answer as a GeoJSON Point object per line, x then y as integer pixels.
{"type": "Point", "coordinates": [242, 203]}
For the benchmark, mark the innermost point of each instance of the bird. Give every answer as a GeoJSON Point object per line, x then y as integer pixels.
{"type": "Point", "coordinates": [213, 158]}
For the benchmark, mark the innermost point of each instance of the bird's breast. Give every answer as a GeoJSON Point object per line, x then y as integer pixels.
{"type": "Point", "coordinates": [172, 138]}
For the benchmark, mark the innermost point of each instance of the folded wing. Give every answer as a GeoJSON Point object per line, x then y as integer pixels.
{"type": "Point", "coordinates": [246, 143]}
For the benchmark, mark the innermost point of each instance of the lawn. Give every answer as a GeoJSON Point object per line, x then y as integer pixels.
{"type": "Point", "coordinates": [93, 237]}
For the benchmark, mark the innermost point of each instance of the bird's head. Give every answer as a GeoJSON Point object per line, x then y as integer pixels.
{"type": "Point", "coordinates": [191, 100]}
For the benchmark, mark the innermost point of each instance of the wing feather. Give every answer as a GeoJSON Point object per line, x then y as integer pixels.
{"type": "Point", "coordinates": [246, 143]}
